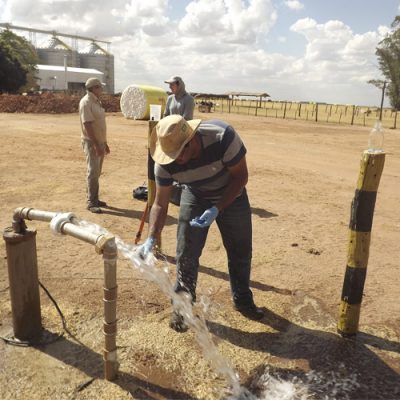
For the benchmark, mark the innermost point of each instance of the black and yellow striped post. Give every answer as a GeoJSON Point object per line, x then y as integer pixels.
{"type": "Point", "coordinates": [362, 211]}
{"type": "Point", "coordinates": [151, 179]}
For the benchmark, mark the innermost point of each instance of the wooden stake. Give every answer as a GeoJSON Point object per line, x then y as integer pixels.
{"type": "Point", "coordinates": [24, 283]}
{"type": "Point", "coordinates": [151, 185]}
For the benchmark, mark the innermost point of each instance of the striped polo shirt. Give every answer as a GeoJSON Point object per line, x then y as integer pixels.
{"type": "Point", "coordinates": [208, 175]}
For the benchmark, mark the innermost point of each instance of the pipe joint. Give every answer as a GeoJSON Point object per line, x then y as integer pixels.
{"type": "Point", "coordinates": [105, 245]}
{"type": "Point", "coordinates": [57, 222]}
{"type": "Point", "coordinates": [18, 223]}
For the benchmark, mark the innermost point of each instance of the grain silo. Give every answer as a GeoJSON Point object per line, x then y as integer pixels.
{"type": "Point", "coordinates": [56, 52]}
{"type": "Point", "coordinates": [100, 59]}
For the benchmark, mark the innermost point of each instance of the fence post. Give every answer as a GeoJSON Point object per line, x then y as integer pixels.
{"type": "Point", "coordinates": [352, 115]}
{"type": "Point", "coordinates": [316, 112]}
{"type": "Point", "coordinates": [284, 111]}
{"type": "Point", "coordinates": [362, 211]}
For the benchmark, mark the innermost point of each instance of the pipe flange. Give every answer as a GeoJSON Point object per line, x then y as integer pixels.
{"type": "Point", "coordinates": [57, 223]}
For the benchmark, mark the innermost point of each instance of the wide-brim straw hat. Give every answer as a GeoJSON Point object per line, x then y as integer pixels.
{"type": "Point", "coordinates": [169, 137]}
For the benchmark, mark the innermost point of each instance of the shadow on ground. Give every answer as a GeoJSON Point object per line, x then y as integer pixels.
{"type": "Point", "coordinates": [341, 368]}
{"type": "Point", "coordinates": [86, 360]}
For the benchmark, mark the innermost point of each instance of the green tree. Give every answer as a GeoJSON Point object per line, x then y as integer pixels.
{"type": "Point", "coordinates": [388, 53]}
{"type": "Point", "coordinates": [18, 60]}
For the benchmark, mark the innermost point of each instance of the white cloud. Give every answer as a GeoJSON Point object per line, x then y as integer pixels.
{"type": "Point", "coordinates": [335, 56]}
{"type": "Point", "coordinates": [215, 45]}
{"type": "Point", "coordinates": [230, 21]}
{"type": "Point", "coordinates": [294, 4]}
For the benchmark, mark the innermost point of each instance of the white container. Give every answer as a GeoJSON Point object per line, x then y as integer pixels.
{"type": "Point", "coordinates": [155, 112]}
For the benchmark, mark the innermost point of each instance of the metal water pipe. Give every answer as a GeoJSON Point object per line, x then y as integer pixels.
{"type": "Point", "coordinates": [24, 282]}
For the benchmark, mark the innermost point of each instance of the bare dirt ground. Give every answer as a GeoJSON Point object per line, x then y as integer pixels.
{"type": "Point", "coordinates": [302, 181]}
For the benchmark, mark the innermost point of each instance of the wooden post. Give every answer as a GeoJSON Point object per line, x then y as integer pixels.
{"type": "Point", "coordinates": [284, 111]}
{"type": "Point", "coordinates": [151, 183]}
{"type": "Point", "coordinates": [151, 179]}
{"type": "Point", "coordinates": [24, 283]}
{"type": "Point", "coordinates": [316, 112]}
{"type": "Point", "coordinates": [352, 115]}
{"type": "Point", "coordinates": [362, 211]}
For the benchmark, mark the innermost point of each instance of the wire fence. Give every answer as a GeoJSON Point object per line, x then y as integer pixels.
{"type": "Point", "coordinates": [318, 112]}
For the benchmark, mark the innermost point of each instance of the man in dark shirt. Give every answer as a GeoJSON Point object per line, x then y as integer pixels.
{"type": "Point", "coordinates": [179, 101]}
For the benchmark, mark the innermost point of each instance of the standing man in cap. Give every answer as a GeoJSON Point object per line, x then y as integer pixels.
{"type": "Point", "coordinates": [179, 102]}
{"type": "Point", "coordinates": [94, 140]}
{"type": "Point", "coordinates": [209, 158]}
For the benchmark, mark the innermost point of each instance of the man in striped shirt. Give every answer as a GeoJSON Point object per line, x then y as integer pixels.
{"type": "Point", "coordinates": [208, 158]}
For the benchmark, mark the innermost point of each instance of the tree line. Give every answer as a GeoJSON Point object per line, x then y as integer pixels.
{"type": "Point", "coordinates": [18, 60]}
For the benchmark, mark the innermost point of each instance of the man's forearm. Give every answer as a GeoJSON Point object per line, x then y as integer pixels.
{"type": "Point", "coordinates": [232, 191]}
{"type": "Point", "coordinates": [158, 215]}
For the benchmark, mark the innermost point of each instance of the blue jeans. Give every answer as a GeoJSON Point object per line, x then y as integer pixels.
{"type": "Point", "coordinates": [234, 224]}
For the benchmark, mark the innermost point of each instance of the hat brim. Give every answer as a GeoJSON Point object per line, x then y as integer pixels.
{"type": "Point", "coordinates": [170, 82]}
{"type": "Point", "coordinates": [156, 152]}
{"type": "Point", "coordinates": [96, 84]}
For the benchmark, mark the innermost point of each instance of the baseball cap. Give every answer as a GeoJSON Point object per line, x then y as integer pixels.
{"type": "Point", "coordinates": [174, 79]}
{"type": "Point", "coordinates": [91, 82]}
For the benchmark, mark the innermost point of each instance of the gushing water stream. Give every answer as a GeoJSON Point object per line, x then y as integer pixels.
{"type": "Point", "coordinates": [182, 303]}
{"type": "Point", "coordinates": [269, 386]}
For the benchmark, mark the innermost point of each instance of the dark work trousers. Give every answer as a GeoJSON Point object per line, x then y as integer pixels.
{"type": "Point", "coordinates": [234, 224]}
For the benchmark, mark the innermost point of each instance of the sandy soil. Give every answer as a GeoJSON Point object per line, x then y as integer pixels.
{"type": "Point", "coordinates": [302, 181]}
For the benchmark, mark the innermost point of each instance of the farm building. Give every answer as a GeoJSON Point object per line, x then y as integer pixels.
{"type": "Point", "coordinates": [61, 66]}
{"type": "Point", "coordinates": [55, 77]}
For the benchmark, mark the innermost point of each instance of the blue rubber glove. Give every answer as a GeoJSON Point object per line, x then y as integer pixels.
{"type": "Point", "coordinates": [206, 219]}
{"type": "Point", "coordinates": [146, 247]}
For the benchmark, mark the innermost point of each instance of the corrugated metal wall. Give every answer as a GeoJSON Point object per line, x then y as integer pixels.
{"type": "Point", "coordinates": [101, 62]}
{"type": "Point", "coordinates": [56, 57]}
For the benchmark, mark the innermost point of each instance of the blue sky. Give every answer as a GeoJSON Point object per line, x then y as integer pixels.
{"type": "Point", "coordinates": [360, 15]}
{"type": "Point", "coordinates": [301, 50]}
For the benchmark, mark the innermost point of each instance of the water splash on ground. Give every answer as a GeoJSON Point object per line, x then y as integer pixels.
{"type": "Point", "coordinates": [268, 385]}
{"type": "Point", "coordinates": [313, 385]}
